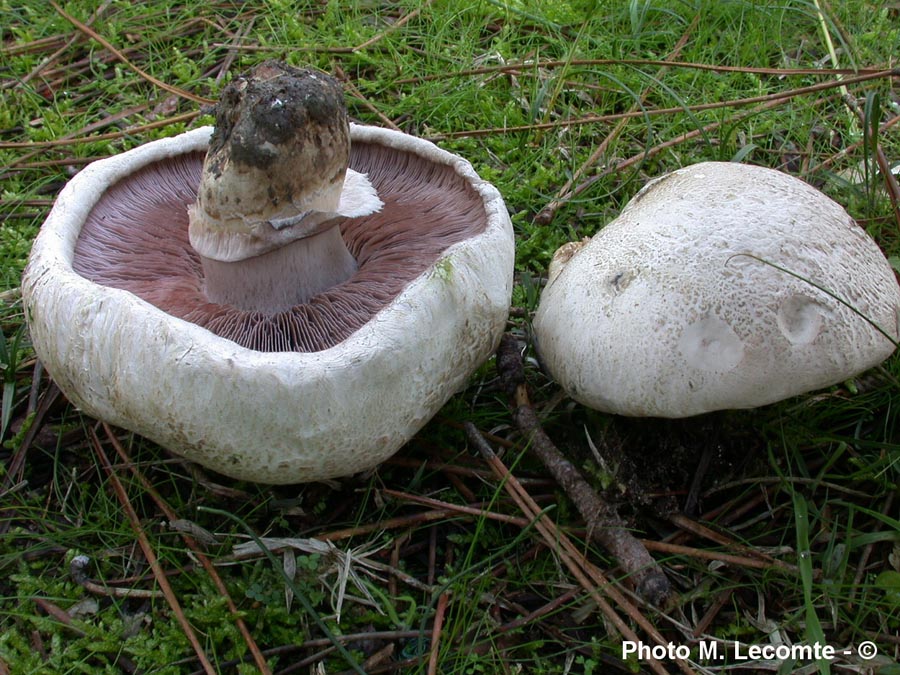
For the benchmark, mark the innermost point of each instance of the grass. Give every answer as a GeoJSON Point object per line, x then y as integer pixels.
{"type": "Point", "coordinates": [568, 108]}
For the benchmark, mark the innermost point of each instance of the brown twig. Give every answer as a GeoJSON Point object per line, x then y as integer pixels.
{"type": "Point", "coordinates": [58, 613]}
{"type": "Point", "coordinates": [388, 524]}
{"type": "Point", "coordinates": [529, 66]}
{"type": "Point", "coordinates": [354, 91]}
{"type": "Point", "coordinates": [90, 32]}
{"type": "Point", "coordinates": [399, 23]}
{"type": "Point", "coordinates": [15, 470]}
{"type": "Point", "coordinates": [192, 544]}
{"type": "Point", "coordinates": [861, 566]}
{"type": "Point", "coordinates": [890, 182]}
{"type": "Point", "coordinates": [439, 614]}
{"type": "Point", "coordinates": [700, 530]}
{"type": "Point", "coordinates": [70, 139]}
{"type": "Point", "coordinates": [852, 147]}
{"type": "Point", "coordinates": [546, 214]}
{"type": "Point", "coordinates": [457, 469]}
{"type": "Point", "coordinates": [655, 112]}
{"type": "Point", "coordinates": [38, 146]}
{"type": "Point", "coordinates": [729, 558]}
{"type": "Point", "coordinates": [591, 579]}
{"type": "Point", "coordinates": [61, 50]}
{"type": "Point", "coordinates": [884, 166]}
{"type": "Point", "coordinates": [709, 616]}
{"type": "Point", "coordinates": [78, 571]}
{"type": "Point", "coordinates": [467, 510]}
{"type": "Point", "coordinates": [647, 153]}
{"type": "Point", "coordinates": [548, 608]}
{"type": "Point", "coordinates": [150, 554]}
{"type": "Point", "coordinates": [603, 523]}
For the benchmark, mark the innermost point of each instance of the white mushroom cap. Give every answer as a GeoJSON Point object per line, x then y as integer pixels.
{"type": "Point", "coordinates": [678, 307]}
{"type": "Point", "coordinates": [282, 416]}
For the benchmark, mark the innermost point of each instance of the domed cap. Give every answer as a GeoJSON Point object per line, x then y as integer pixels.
{"type": "Point", "coordinates": [719, 286]}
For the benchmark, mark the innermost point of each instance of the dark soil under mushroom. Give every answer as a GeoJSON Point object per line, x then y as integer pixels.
{"type": "Point", "coordinates": [136, 239]}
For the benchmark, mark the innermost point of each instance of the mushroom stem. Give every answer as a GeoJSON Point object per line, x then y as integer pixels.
{"type": "Point", "coordinates": [283, 277]}
{"type": "Point", "coordinates": [274, 186]}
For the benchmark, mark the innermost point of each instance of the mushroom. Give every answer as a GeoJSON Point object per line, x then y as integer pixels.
{"type": "Point", "coordinates": [719, 286]}
{"type": "Point", "coordinates": [316, 328]}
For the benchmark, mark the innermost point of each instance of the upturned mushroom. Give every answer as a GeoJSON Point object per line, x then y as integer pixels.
{"type": "Point", "coordinates": [719, 286]}
{"type": "Point", "coordinates": [286, 298]}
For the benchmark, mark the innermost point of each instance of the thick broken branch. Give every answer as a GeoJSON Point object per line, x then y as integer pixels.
{"type": "Point", "coordinates": [603, 523]}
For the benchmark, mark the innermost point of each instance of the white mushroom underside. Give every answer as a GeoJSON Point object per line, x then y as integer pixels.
{"type": "Point", "coordinates": [268, 417]}
{"type": "Point", "coordinates": [665, 312]}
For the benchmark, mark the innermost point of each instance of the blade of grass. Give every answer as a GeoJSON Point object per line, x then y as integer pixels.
{"type": "Point", "coordinates": [831, 294]}
{"type": "Point", "coordinates": [588, 575]}
{"type": "Point", "coordinates": [149, 554]}
{"type": "Point", "coordinates": [594, 119]}
{"type": "Point", "coordinates": [192, 544]}
{"type": "Point", "coordinates": [298, 593]}
{"type": "Point", "coordinates": [814, 632]}
{"type": "Point", "coordinates": [90, 32]}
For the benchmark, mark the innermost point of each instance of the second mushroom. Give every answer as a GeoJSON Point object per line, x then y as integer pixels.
{"type": "Point", "coordinates": [719, 286]}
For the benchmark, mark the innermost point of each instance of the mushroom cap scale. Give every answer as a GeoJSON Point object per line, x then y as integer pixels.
{"type": "Point", "coordinates": [268, 416]}
{"type": "Point", "coordinates": [678, 306]}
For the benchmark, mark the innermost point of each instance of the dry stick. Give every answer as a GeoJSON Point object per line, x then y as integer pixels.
{"type": "Point", "coordinates": [530, 617]}
{"type": "Point", "coordinates": [38, 146]}
{"type": "Point", "coordinates": [232, 51]}
{"type": "Point", "coordinates": [388, 524]}
{"type": "Point", "coordinates": [192, 544]}
{"type": "Point", "coordinates": [700, 530]}
{"type": "Point", "coordinates": [730, 558]}
{"type": "Point", "coordinates": [847, 149]}
{"type": "Point", "coordinates": [436, 632]}
{"type": "Point", "coordinates": [468, 510]}
{"type": "Point", "coordinates": [706, 620]}
{"type": "Point", "coordinates": [68, 43]}
{"type": "Point", "coordinates": [655, 112]}
{"type": "Point", "coordinates": [866, 553]}
{"type": "Point", "coordinates": [150, 554]}
{"type": "Point", "coordinates": [665, 145]}
{"type": "Point", "coordinates": [777, 481]}
{"type": "Point", "coordinates": [525, 67]}
{"type": "Point", "coordinates": [387, 121]}
{"type": "Point", "coordinates": [603, 523]}
{"type": "Point", "coordinates": [78, 572]}
{"type": "Point", "coordinates": [893, 189]}
{"type": "Point", "coordinates": [460, 470]}
{"type": "Point", "coordinates": [59, 614]}
{"type": "Point", "coordinates": [15, 469]}
{"type": "Point", "coordinates": [590, 578]}
{"type": "Point", "coordinates": [32, 46]}
{"type": "Point", "coordinates": [399, 23]}
{"type": "Point", "coordinates": [124, 59]}
{"type": "Point", "coordinates": [890, 181]}
{"type": "Point", "coordinates": [546, 214]}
